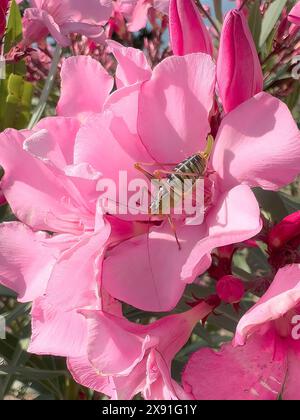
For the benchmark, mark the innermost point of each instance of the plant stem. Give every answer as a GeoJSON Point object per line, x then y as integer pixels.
{"type": "Point", "coordinates": [201, 8]}
{"type": "Point", "coordinates": [218, 10]}
{"type": "Point", "coordinates": [47, 88]}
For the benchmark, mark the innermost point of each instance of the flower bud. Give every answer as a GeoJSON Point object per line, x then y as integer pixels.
{"type": "Point", "coordinates": [239, 72]}
{"type": "Point", "coordinates": [284, 231]}
{"type": "Point", "coordinates": [188, 32]}
{"type": "Point", "coordinates": [230, 289]}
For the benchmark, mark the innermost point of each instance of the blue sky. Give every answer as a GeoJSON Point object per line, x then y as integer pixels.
{"type": "Point", "coordinates": [227, 5]}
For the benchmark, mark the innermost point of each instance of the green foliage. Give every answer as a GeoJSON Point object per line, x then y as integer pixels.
{"type": "Point", "coordinates": [14, 34]}
{"type": "Point", "coordinates": [255, 21]}
{"type": "Point", "coordinates": [270, 19]}
{"type": "Point", "coordinates": [15, 92]}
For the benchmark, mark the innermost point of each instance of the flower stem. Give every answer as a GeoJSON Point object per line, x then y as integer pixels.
{"type": "Point", "coordinates": [218, 10]}
{"type": "Point", "coordinates": [207, 15]}
{"type": "Point", "coordinates": [47, 88]}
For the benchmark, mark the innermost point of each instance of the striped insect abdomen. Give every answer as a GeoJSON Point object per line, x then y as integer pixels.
{"type": "Point", "coordinates": [195, 165]}
{"type": "Point", "coordinates": [191, 169]}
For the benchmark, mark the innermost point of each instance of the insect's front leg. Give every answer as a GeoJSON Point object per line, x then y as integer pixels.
{"type": "Point", "coordinates": [138, 166]}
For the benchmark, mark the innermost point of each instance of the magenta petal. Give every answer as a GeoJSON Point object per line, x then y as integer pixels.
{"type": "Point", "coordinates": [87, 375]}
{"type": "Point", "coordinates": [258, 144]}
{"type": "Point", "coordinates": [93, 32]}
{"type": "Point", "coordinates": [93, 12]}
{"type": "Point", "coordinates": [53, 140]}
{"type": "Point", "coordinates": [243, 373]}
{"type": "Point", "coordinates": [97, 86]}
{"type": "Point", "coordinates": [225, 224]}
{"type": "Point", "coordinates": [148, 272]}
{"type": "Point", "coordinates": [35, 22]}
{"type": "Point", "coordinates": [115, 346]}
{"type": "Point", "coordinates": [132, 67]}
{"type": "Point", "coordinates": [25, 260]}
{"type": "Point", "coordinates": [109, 144]}
{"type": "Point", "coordinates": [56, 331]}
{"type": "Point", "coordinates": [282, 295]}
{"type": "Point", "coordinates": [127, 387]}
{"type": "Point", "coordinates": [109, 141]}
{"type": "Point", "coordinates": [134, 357]}
{"type": "Point", "coordinates": [162, 6]}
{"type": "Point", "coordinates": [36, 195]}
{"type": "Point", "coordinates": [63, 18]}
{"type": "Point", "coordinates": [291, 390]}
{"type": "Point", "coordinates": [139, 16]}
{"type": "Point", "coordinates": [294, 15]}
{"type": "Point", "coordinates": [73, 282]}
{"type": "Point", "coordinates": [174, 107]}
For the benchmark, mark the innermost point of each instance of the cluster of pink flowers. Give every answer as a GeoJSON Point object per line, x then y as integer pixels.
{"type": "Point", "coordinates": [78, 264]}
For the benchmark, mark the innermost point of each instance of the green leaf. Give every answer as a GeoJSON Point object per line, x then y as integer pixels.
{"type": "Point", "coordinates": [6, 292]}
{"type": "Point", "coordinates": [19, 357]}
{"type": "Point", "coordinates": [20, 310]}
{"type": "Point", "coordinates": [255, 21]}
{"type": "Point", "coordinates": [18, 102]}
{"type": "Point", "coordinates": [13, 36]}
{"type": "Point", "coordinates": [30, 373]}
{"type": "Point", "coordinates": [293, 99]}
{"type": "Point", "coordinates": [258, 262]}
{"type": "Point", "coordinates": [271, 202]}
{"type": "Point", "coordinates": [291, 204]}
{"type": "Point", "coordinates": [14, 27]}
{"type": "Point", "coordinates": [270, 19]}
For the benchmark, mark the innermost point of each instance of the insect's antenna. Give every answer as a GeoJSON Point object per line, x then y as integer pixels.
{"type": "Point", "coordinates": [120, 204]}
{"type": "Point", "coordinates": [173, 227]}
{"type": "Point", "coordinates": [209, 147]}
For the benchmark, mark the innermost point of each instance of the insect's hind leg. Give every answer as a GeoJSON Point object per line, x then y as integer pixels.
{"type": "Point", "coordinates": [158, 172]}
{"type": "Point", "coordinates": [139, 167]}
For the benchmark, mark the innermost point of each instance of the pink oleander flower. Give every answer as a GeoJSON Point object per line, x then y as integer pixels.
{"type": "Point", "coordinates": [124, 359]}
{"type": "Point", "coordinates": [50, 189]}
{"type": "Point", "coordinates": [117, 23]}
{"type": "Point", "coordinates": [239, 73]}
{"type": "Point", "coordinates": [265, 362]}
{"type": "Point", "coordinates": [294, 15]}
{"type": "Point", "coordinates": [3, 11]}
{"type": "Point", "coordinates": [188, 33]}
{"type": "Point", "coordinates": [50, 180]}
{"type": "Point", "coordinates": [60, 18]}
{"type": "Point", "coordinates": [169, 121]}
{"type": "Point", "coordinates": [136, 11]}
